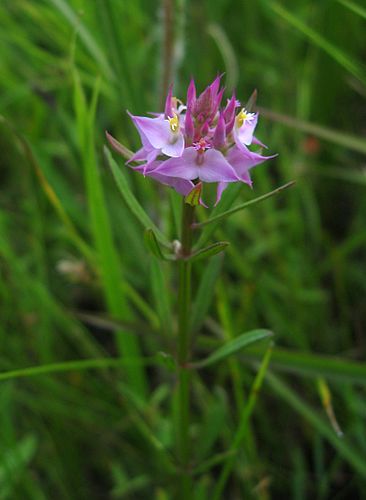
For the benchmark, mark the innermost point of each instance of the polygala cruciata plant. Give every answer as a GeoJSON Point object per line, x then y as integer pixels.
{"type": "Point", "coordinates": [197, 142]}
{"type": "Point", "coordinates": [185, 147]}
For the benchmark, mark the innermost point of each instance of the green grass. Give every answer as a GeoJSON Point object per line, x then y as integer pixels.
{"type": "Point", "coordinates": [88, 312]}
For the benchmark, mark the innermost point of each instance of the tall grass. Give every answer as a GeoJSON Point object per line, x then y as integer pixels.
{"type": "Point", "coordinates": [87, 372]}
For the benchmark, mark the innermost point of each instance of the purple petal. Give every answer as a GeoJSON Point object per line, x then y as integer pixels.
{"type": "Point", "coordinates": [215, 168]}
{"type": "Point", "coordinates": [141, 155]}
{"type": "Point", "coordinates": [146, 153]}
{"type": "Point", "coordinates": [191, 95]}
{"type": "Point", "coordinates": [205, 128]}
{"type": "Point", "coordinates": [189, 125]}
{"type": "Point", "coordinates": [244, 134]}
{"type": "Point", "coordinates": [182, 186]}
{"type": "Point", "coordinates": [243, 160]}
{"type": "Point", "coordinates": [258, 142]}
{"type": "Point", "coordinates": [156, 133]}
{"type": "Point", "coordinates": [218, 139]}
{"type": "Point", "coordinates": [216, 102]}
{"type": "Point", "coordinates": [203, 105]}
{"type": "Point", "coordinates": [146, 171]}
{"type": "Point", "coordinates": [150, 159]}
{"type": "Point", "coordinates": [184, 167]}
{"type": "Point", "coordinates": [221, 186]}
{"type": "Point", "coordinates": [156, 130]}
{"type": "Point", "coordinates": [230, 124]}
{"type": "Point", "coordinates": [168, 103]}
{"type": "Point", "coordinates": [176, 147]}
{"type": "Point", "coordinates": [229, 110]}
{"type": "Point", "coordinates": [211, 167]}
{"type": "Point", "coordinates": [215, 85]}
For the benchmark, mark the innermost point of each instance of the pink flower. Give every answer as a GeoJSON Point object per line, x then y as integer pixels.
{"type": "Point", "coordinates": [208, 166]}
{"type": "Point", "coordinates": [198, 142]}
{"type": "Point", "coordinates": [161, 134]}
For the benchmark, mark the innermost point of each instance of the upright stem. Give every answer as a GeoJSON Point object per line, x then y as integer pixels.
{"type": "Point", "coordinates": [184, 299]}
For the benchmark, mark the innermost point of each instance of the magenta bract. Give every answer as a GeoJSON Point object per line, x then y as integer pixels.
{"type": "Point", "coordinates": [198, 142]}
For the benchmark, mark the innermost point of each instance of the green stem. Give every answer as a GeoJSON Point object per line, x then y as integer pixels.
{"type": "Point", "coordinates": [184, 299]}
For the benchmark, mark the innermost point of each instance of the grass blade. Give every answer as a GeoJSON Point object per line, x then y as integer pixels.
{"type": "Point", "coordinates": [153, 246]}
{"type": "Point", "coordinates": [345, 60]}
{"type": "Point", "coordinates": [131, 201]}
{"type": "Point", "coordinates": [85, 36]}
{"type": "Point", "coordinates": [340, 138]}
{"type": "Point", "coordinates": [313, 365]}
{"type": "Point", "coordinates": [243, 205]}
{"type": "Point", "coordinates": [352, 456]}
{"type": "Point", "coordinates": [232, 347]}
{"type": "Point", "coordinates": [243, 424]}
{"type": "Point", "coordinates": [354, 7]}
{"type": "Point", "coordinates": [205, 292]}
{"type": "Point", "coordinates": [210, 251]}
{"type": "Point", "coordinates": [75, 365]}
{"type": "Point", "coordinates": [110, 269]}
{"type": "Point", "coordinates": [228, 198]}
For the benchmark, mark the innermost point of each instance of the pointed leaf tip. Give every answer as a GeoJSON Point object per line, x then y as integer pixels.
{"type": "Point", "coordinates": [233, 347]}
{"type": "Point", "coordinates": [152, 243]}
{"type": "Point", "coordinates": [118, 147]}
{"type": "Point", "coordinates": [209, 251]}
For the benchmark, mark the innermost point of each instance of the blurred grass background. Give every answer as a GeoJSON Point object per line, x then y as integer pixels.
{"type": "Point", "coordinates": [77, 282]}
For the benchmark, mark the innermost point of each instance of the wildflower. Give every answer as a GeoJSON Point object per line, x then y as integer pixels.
{"type": "Point", "coordinates": [201, 141]}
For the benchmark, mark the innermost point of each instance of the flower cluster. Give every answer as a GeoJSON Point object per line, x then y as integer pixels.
{"type": "Point", "coordinates": [199, 141]}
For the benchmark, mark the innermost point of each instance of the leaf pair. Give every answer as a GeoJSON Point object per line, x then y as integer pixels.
{"type": "Point", "coordinates": [152, 243]}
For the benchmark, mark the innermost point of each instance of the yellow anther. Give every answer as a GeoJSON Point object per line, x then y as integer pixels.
{"type": "Point", "coordinates": [174, 123]}
{"type": "Point", "coordinates": [243, 116]}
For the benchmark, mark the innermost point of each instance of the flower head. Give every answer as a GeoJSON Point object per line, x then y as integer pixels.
{"type": "Point", "coordinates": [197, 142]}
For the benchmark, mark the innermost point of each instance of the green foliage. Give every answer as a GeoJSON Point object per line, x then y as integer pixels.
{"type": "Point", "coordinates": [236, 345]}
{"type": "Point", "coordinates": [88, 330]}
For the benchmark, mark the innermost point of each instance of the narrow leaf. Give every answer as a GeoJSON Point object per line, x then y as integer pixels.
{"type": "Point", "coordinates": [209, 251]}
{"type": "Point", "coordinates": [85, 36]}
{"type": "Point", "coordinates": [130, 199]}
{"type": "Point", "coordinates": [354, 7]}
{"type": "Point", "coordinates": [228, 53]}
{"type": "Point", "coordinates": [234, 346]}
{"type": "Point", "coordinates": [229, 196]}
{"type": "Point", "coordinates": [152, 244]}
{"type": "Point", "coordinates": [118, 147]}
{"type": "Point", "coordinates": [110, 265]}
{"type": "Point", "coordinates": [343, 59]}
{"type": "Point", "coordinates": [313, 365]}
{"type": "Point", "coordinates": [161, 297]}
{"type": "Point", "coordinates": [166, 360]}
{"type": "Point", "coordinates": [205, 292]}
{"type": "Point", "coordinates": [354, 457]}
{"type": "Point", "coordinates": [326, 399]}
{"type": "Point", "coordinates": [212, 424]}
{"type": "Point", "coordinates": [212, 462]}
{"type": "Point", "coordinates": [242, 430]}
{"type": "Point", "coordinates": [243, 205]}
{"type": "Point", "coordinates": [77, 365]}
{"type": "Point", "coordinates": [337, 137]}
